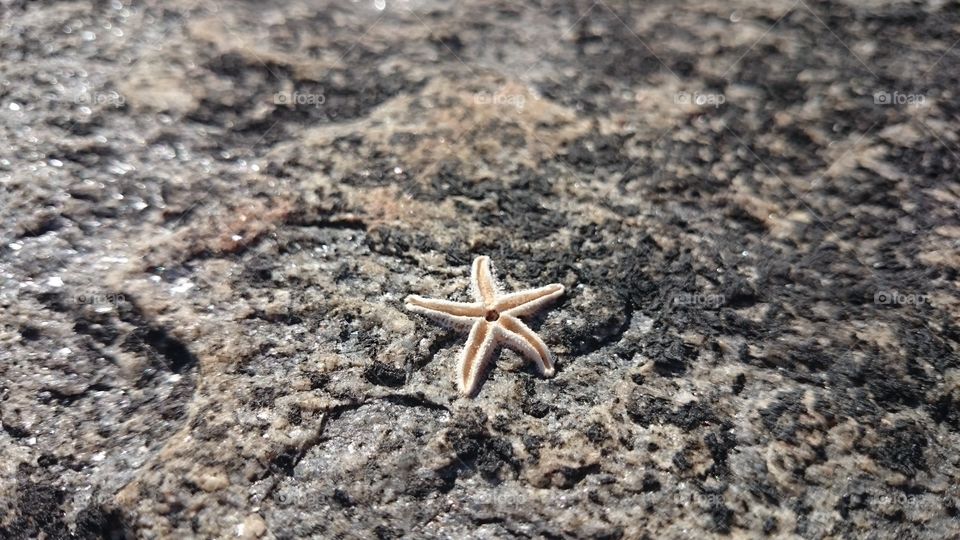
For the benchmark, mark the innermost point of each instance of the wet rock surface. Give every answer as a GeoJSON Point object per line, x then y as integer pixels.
{"type": "Point", "coordinates": [211, 213]}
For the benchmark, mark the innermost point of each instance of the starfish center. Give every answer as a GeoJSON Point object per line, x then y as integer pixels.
{"type": "Point", "coordinates": [492, 315]}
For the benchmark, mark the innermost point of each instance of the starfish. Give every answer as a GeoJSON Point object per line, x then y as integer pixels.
{"type": "Point", "coordinates": [493, 321]}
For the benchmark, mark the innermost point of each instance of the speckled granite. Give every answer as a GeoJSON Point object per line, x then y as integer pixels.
{"type": "Point", "coordinates": [211, 213]}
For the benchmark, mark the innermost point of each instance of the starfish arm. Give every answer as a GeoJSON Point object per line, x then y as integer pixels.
{"type": "Point", "coordinates": [481, 280]}
{"type": "Point", "coordinates": [529, 301]}
{"type": "Point", "coordinates": [522, 339]}
{"type": "Point", "coordinates": [458, 314]}
{"type": "Point", "coordinates": [476, 354]}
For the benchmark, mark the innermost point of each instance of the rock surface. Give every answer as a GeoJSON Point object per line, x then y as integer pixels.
{"type": "Point", "coordinates": [211, 213]}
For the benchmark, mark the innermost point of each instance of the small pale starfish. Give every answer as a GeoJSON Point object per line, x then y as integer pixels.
{"type": "Point", "coordinates": [492, 320]}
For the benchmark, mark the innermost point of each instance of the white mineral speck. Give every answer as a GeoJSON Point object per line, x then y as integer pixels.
{"type": "Point", "coordinates": [183, 285]}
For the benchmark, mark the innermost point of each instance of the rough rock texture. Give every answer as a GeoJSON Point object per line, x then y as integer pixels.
{"type": "Point", "coordinates": [211, 213]}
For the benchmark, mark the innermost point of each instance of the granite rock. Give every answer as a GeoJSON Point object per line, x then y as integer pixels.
{"type": "Point", "coordinates": [211, 213]}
